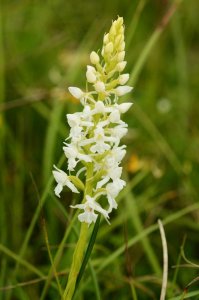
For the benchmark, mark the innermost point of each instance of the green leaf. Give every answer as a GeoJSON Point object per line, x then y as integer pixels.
{"type": "Point", "coordinates": [88, 250]}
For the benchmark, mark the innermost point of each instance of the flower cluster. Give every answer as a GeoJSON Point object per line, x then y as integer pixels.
{"type": "Point", "coordinates": [95, 133]}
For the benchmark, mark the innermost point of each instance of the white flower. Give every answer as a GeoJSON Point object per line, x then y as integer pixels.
{"type": "Point", "coordinates": [73, 119]}
{"type": "Point", "coordinates": [114, 157]}
{"type": "Point", "coordinates": [100, 140]}
{"type": "Point", "coordinates": [100, 146]}
{"type": "Point", "coordinates": [78, 119]}
{"type": "Point", "coordinates": [118, 153]}
{"type": "Point", "coordinates": [113, 189]}
{"type": "Point", "coordinates": [62, 180]}
{"type": "Point", "coordinates": [86, 115]}
{"type": "Point", "coordinates": [122, 90]}
{"type": "Point", "coordinates": [76, 133]}
{"type": "Point", "coordinates": [119, 131]}
{"type": "Point", "coordinates": [113, 172]}
{"type": "Point", "coordinates": [76, 92]}
{"type": "Point", "coordinates": [89, 207]}
{"type": "Point", "coordinates": [74, 156]}
{"type": "Point", "coordinates": [112, 193]}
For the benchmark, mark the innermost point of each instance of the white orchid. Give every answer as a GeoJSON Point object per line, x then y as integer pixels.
{"type": "Point", "coordinates": [89, 207]}
{"type": "Point", "coordinates": [62, 180]}
{"type": "Point", "coordinates": [93, 146]}
{"type": "Point", "coordinates": [74, 156]}
{"type": "Point", "coordinates": [113, 172]}
{"type": "Point", "coordinates": [112, 190]}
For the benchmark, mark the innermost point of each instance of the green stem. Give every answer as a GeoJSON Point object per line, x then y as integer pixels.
{"type": "Point", "coordinates": [81, 244]}
{"type": "Point", "coordinates": [76, 263]}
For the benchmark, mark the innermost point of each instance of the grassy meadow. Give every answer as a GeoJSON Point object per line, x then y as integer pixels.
{"type": "Point", "coordinates": [44, 48]}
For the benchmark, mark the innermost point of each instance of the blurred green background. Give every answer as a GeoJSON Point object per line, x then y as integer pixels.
{"type": "Point", "coordinates": [44, 48]}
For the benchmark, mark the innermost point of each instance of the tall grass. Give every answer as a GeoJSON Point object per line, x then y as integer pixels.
{"type": "Point", "coordinates": [44, 47]}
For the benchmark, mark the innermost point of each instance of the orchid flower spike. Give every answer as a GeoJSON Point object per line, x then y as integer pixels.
{"type": "Point", "coordinates": [93, 149]}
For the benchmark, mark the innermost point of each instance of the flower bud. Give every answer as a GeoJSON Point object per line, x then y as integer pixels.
{"type": "Point", "coordinates": [112, 30]}
{"type": "Point", "coordinates": [106, 38]}
{"type": "Point", "coordinates": [124, 107]}
{"type": "Point", "coordinates": [121, 30]}
{"type": "Point", "coordinates": [90, 74]}
{"type": "Point", "coordinates": [99, 107]}
{"type": "Point", "coordinates": [73, 120]}
{"type": "Point", "coordinates": [118, 40]}
{"type": "Point", "coordinates": [99, 87]}
{"type": "Point", "coordinates": [120, 22]}
{"type": "Point", "coordinates": [120, 56]}
{"type": "Point", "coordinates": [123, 78]}
{"type": "Point", "coordinates": [122, 90]}
{"type": "Point", "coordinates": [120, 66]}
{"type": "Point", "coordinates": [114, 116]}
{"type": "Point", "coordinates": [76, 92]}
{"type": "Point", "coordinates": [109, 48]}
{"type": "Point", "coordinates": [122, 46]}
{"type": "Point", "coordinates": [94, 58]}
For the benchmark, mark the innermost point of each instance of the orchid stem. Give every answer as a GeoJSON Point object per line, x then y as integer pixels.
{"type": "Point", "coordinates": [76, 263]}
{"type": "Point", "coordinates": [81, 244]}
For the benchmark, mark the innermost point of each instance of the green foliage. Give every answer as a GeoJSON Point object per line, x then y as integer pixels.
{"type": "Point", "coordinates": [44, 47]}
